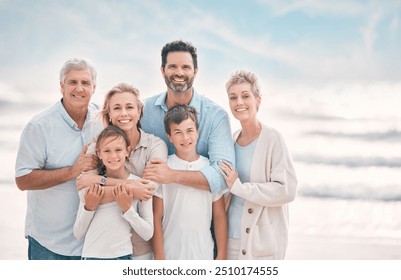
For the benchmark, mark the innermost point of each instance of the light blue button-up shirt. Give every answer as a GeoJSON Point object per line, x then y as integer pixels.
{"type": "Point", "coordinates": [214, 141]}
{"type": "Point", "coordinates": [52, 140]}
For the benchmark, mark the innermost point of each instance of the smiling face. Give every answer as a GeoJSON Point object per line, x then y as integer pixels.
{"type": "Point", "coordinates": [243, 103]}
{"type": "Point", "coordinates": [179, 72]}
{"type": "Point", "coordinates": [125, 111]}
{"type": "Point", "coordinates": [77, 89]}
{"type": "Point", "coordinates": [184, 137]}
{"type": "Point", "coordinates": [112, 152]}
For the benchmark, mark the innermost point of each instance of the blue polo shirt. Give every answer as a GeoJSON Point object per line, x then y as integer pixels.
{"type": "Point", "coordinates": [52, 140]}
{"type": "Point", "coordinates": [214, 142]}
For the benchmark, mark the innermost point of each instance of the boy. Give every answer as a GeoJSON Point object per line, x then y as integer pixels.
{"type": "Point", "coordinates": [182, 215]}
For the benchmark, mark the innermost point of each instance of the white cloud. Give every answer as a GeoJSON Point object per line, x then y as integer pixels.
{"type": "Point", "coordinates": [316, 7]}
{"type": "Point", "coordinates": [394, 25]}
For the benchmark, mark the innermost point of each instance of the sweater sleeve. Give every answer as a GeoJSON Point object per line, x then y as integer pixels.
{"type": "Point", "coordinates": [279, 186]}
{"type": "Point", "coordinates": [141, 219]}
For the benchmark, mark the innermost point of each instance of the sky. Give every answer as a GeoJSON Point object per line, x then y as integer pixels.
{"type": "Point", "coordinates": [308, 43]}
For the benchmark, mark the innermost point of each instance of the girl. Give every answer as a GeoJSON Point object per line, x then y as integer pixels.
{"type": "Point", "coordinates": [107, 227]}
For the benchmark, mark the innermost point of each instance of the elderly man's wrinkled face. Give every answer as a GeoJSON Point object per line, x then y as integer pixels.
{"type": "Point", "coordinates": [77, 88]}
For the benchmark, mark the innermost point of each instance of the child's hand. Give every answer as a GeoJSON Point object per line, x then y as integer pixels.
{"type": "Point", "coordinates": [122, 196]}
{"type": "Point", "coordinates": [93, 196]}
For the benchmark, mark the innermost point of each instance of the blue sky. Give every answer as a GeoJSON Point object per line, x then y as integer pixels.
{"type": "Point", "coordinates": [283, 42]}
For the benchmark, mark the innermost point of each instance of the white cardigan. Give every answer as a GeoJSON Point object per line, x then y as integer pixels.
{"type": "Point", "coordinates": [273, 182]}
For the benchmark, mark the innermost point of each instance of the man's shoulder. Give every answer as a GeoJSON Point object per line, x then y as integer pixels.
{"type": "Point", "coordinates": [44, 115]}
{"type": "Point", "coordinates": [151, 100]}
{"type": "Point", "coordinates": [211, 106]}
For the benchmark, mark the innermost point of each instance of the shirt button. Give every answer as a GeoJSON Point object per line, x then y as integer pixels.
{"type": "Point", "coordinates": [250, 210]}
{"type": "Point", "coordinates": [244, 252]}
{"type": "Point", "coordinates": [247, 230]}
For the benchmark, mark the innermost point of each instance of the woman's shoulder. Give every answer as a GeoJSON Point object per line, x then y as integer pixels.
{"type": "Point", "coordinates": [270, 133]}
{"type": "Point", "coordinates": [150, 138]}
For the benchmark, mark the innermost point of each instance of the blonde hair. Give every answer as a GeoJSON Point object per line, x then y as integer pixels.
{"type": "Point", "coordinates": [120, 88]}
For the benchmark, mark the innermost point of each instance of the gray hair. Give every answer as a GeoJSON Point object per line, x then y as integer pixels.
{"type": "Point", "coordinates": [243, 76]}
{"type": "Point", "coordinates": [77, 64]}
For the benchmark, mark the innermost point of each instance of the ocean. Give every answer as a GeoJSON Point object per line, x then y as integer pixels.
{"type": "Point", "coordinates": [344, 140]}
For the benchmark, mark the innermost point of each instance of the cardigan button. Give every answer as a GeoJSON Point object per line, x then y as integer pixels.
{"type": "Point", "coordinates": [244, 252]}
{"type": "Point", "coordinates": [250, 210]}
{"type": "Point", "coordinates": [247, 230]}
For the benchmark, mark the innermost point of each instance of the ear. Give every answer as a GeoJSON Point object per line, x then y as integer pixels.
{"type": "Point", "coordinates": [168, 137]}
{"type": "Point", "coordinates": [129, 149]}
{"type": "Point", "coordinates": [258, 101]}
{"type": "Point", "coordinates": [62, 87]}
{"type": "Point", "coordinates": [97, 153]}
{"type": "Point", "coordinates": [162, 71]}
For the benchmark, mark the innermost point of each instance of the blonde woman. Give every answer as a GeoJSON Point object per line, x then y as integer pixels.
{"type": "Point", "coordinates": [123, 108]}
{"type": "Point", "coordinates": [263, 183]}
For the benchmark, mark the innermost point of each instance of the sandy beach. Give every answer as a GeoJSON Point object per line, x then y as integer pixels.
{"type": "Point", "coordinates": [13, 245]}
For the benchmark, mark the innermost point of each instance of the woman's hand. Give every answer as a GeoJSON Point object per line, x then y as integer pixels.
{"type": "Point", "coordinates": [228, 172]}
{"type": "Point", "coordinates": [93, 196]}
{"type": "Point", "coordinates": [87, 179]}
{"type": "Point", "coordinates": [122, 196]}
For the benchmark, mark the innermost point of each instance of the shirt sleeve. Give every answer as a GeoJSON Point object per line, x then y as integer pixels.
{"type": "Point", "coordinates": [221, 147]}
{"type": "Point", "coordinates": [84, 217]}
{"type": "Point", "coordinates": [158, 149]}
{"type": "Point", "coordinates": [217, 195]}
{"type": "Point", "coordinates": [142, 219]}
{"type": "Point", "coordinates": [32, 151]}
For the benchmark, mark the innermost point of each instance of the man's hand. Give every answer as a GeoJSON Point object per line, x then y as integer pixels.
{"type": "Point", "coordinates": [141, 189]}
{"type": "Point", "coordinates": [121, 194]}
{"type": "Point", "coordinates": [158, 171]}
{"type": "Point", "coordinates": [93, 196]}
{"type": "Point", "coordinates": [84, 162]}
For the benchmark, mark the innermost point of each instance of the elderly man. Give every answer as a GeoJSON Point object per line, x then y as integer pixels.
{"type": "Point", "coordinates": [52, 153]}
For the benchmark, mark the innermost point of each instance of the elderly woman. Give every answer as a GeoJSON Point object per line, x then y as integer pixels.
{"type": "Point", "coordinates": [263, 183]}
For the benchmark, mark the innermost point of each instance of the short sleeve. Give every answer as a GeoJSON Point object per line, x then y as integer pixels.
{"type": "Point", "coordinates": [32, 151]}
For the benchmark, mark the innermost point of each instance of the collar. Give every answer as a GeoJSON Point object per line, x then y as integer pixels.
{"type": "Point", "coordinates": [144, 141]}
{"type": "Point", "coordinates": [195, 101]}
{"type": "Point", "coordinates": [67, 118]}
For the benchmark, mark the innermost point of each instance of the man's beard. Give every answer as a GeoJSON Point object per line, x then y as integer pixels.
{"type": "Point", "coordinates": [180, 87]}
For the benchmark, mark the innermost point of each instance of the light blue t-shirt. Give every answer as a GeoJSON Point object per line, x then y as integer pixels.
{"type": "Point", "coordinates": [214, 141]}
{"type": "Point", "coordinates": [243, 156]}
{"type": "Point", "coordinates": [52, 140]}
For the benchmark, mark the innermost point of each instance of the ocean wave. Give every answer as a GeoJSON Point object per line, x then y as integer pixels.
{"type": "Point", "coordinates": [353, 162]}
{"type": "Point", "coordinates": [5, 103]}
{"type": "Point", "coordinates": [308, 116]}
{"type": "Point", "coordinates": [389, 135]}
{"type": "Point", "coordinates": [352, 192]}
